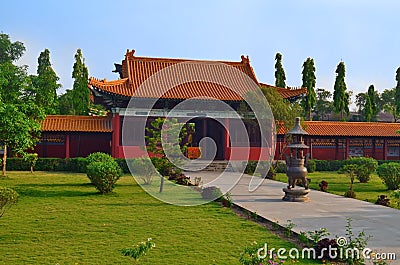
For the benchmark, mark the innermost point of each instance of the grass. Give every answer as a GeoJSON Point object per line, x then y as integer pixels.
{"type": "Point", "coordinates": [339, 184]}
{"type": "Point", "coordinates": [61, 219]}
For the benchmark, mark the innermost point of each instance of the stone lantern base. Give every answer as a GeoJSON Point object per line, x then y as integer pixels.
{"type": "Point", "coordinates": [296, 195]}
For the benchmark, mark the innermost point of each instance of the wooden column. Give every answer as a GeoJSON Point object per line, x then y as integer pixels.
{"type": "Point", "coordinates": [373, 149]}
{"type": "Point", "coordinates": [336, 149]}
{"type": "Point", "coordinates": [226, 147]}
{"type": "Point", "coordinates": [385, 149]}
{"type": "Point", "coordinates": [346, 152]}
{"type": "Point", "coordinates": [116, 132]}
{"type": "Point", "coordinates": [67, 155]}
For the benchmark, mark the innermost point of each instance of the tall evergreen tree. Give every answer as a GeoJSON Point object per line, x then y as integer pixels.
{"type": "Point", "coordinates": [368, 112]}
{"type": "Point", "coordinates": [80, 91]}
{"type": "Point", "coordinates": [341, 97]}
{"type": "Point", "coordinates": [397, 94]}
{"type": "Point", "coordinates": [308, 77]}
{"type": "Point", "coordinates": [372, 98]}
{"type": "Point", "coordinates": [45, 84]}
{"type": "Point", "coordinates": [280, 78]}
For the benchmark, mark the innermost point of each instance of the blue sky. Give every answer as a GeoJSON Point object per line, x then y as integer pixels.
{"type": "Point", "coordinates": [362, 33]}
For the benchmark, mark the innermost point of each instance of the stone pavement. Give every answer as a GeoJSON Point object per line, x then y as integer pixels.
{"type": "Point", "coordinates": [323, 211]}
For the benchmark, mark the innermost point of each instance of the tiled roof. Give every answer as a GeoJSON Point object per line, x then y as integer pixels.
{"type": "Point", "coordinates": [360, 129]}
{"type": "Point", "coordinates": [288, 92]}
{"type": "Point", "coordinates": [136, 70]}
{"type": "Point", "coordinates": [69, 123]}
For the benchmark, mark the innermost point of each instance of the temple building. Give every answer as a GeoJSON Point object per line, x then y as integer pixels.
{"type": "Point", "coordinates": [77, 136]}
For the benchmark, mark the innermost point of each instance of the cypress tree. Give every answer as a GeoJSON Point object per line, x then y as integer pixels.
{"type": "Point", "coordinates": [309, 80]}
{"type": "Point", "coordinates": [340, 96]}
{"type": "Point", "coordinates": [80, 91]}
{"type": "Point", "coordinates": [280, 77]}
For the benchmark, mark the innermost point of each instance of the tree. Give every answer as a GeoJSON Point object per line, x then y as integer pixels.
{"type": "Point", "coordinates": [397, 94]}
{"type": "Point", "coordinates": [283, 111]}
{"type": "Point", "coordinates": [280, 77]}
{"type": "Point", "coordinates": [45, 84]}
{"type": "Point", "coordinates": [65, 103]}
{"type": "Point", "coordinates": [80, 91]}
{"type": "Point", "coordinates": [309, 78]}
{"type": "Point", "coordinates": [368, 110]}
{"type": "Point", "coordinates": [340, 97]}
{"type": "Point", "coordinates": [19, 115]}
{"type": "Point", "coordinates": [323, 107]}
{"type": "Point", "coordinates": [372, 96]}
{"type": "Point", "coordinates": [388, 97]}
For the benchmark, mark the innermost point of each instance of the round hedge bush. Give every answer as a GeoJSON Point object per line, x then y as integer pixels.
{"type": "Point", "coordinates": [103, 175]}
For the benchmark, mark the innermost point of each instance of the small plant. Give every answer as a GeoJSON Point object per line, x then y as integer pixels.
{"type": "Point", "coordinates": [287, 229]}
{"type": "Point", "coordinates": [254, 215]}
{"type": "Point", "coordinates": [324, 244]}
{"type": "Point", "coordinates": [139, 250]}
{"type": "Point", "coordinates": [390, 175]}
{"type": "Point", "coordinates": [198, 181]}
{"type": "Point", "coordinates": [383, 200]}
{"type": "Point", "coordinates": [350, 194]}
{"type": "Point", "coordinates": [354, 242]}
{"type": "Point", "coordinates": [350, 170]}
{"type": "Point", "coordinates": [31, 159]}
{"type": "Point", "coordinates": [275, 225]}
{"type": "Point", "coordinates": [250, 256]}
{"type": "Point", "coordinates": [319, 234]}
{"type": "Point", "coordinates": [323, 186]}
{"type": "Point", "coordinates": [144, 168]}
{"type": "Point", "coordinates": [227, 200]}
{"type": "Point", "coordinates": [8, 197]}
{"type": "Point", "coordinates": [304, 238]}
{"type": "Point", "coordinates": [396, 194]}
{"type": "Point", "coordinates": [211, 193]}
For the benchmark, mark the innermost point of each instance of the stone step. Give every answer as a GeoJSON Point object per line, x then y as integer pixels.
{"type": "Point", "coordinates": [215, 166]}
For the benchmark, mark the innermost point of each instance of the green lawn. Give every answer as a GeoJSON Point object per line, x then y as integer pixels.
{"type": "Point", "coordinates": [61, 219]}
{"type": "Point", "coordinates": [339, 184]}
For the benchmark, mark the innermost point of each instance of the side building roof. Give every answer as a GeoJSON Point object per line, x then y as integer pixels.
{"type": "Point", "coordinates": [70, 123]}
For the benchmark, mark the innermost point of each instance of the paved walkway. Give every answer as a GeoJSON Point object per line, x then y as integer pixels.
{"type": "Point", "coordinates": [323, 211]}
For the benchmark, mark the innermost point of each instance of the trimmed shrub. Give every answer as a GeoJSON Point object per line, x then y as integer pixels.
{"type": "Point", "coordinates": [103, 175]}
{"type": "Point", "coordinates": [323, 186]}
{"type": "Point", "coordinates": [390, 175]}
{"type": "Point", "coordinates": [8, 197]}
{"type": "Point", "coordinates": [365, 167]}
{"type": "Point", "coordinates": [311, 166]}
{"type": "Point", "coordinates": [211, 193]}
{"type": "Point", "coordinates": [98, 157]}
{"type": "Point", "coordinates": [383, 200]}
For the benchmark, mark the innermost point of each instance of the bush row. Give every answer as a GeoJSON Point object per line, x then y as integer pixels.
{"type": "Point", "coordinates": [76, 164]}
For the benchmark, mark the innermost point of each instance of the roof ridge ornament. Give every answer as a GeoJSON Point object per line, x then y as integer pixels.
{"type": "Point", "coordinates": [245, 59]}
{"type": "Point", "coordinates": [130, 53]}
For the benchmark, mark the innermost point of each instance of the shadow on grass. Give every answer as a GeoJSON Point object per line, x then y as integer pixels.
{"type": "Point", "coordinates": [30, 191]}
